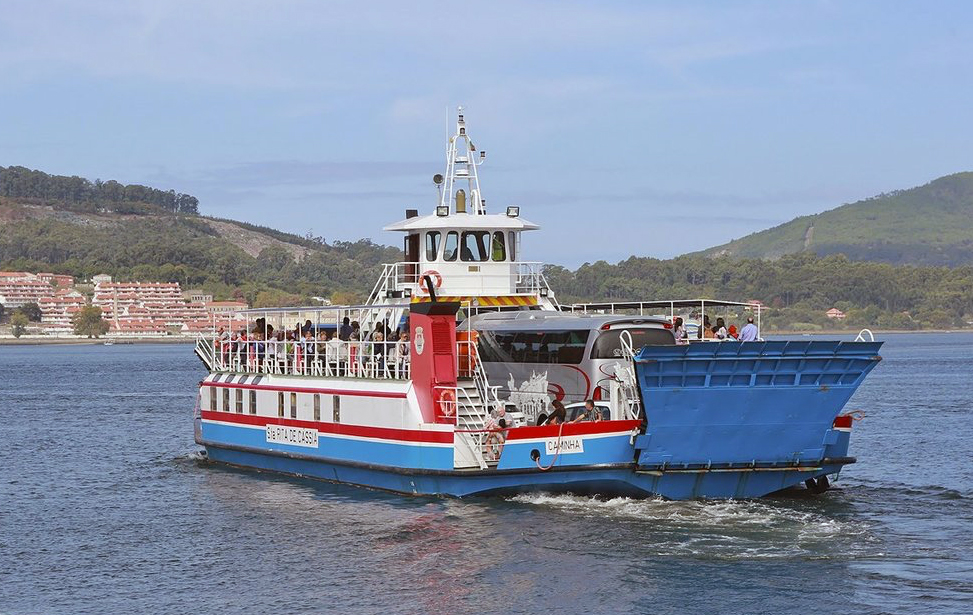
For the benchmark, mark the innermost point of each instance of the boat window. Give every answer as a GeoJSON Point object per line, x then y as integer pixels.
{"type": "Point", "coordinates": [474, 246]}
{"type": "Point", "coordinates": [239, 401]}
{"type": "Point", "coordinates": [432, 244]}
{"type": "Point", "coordinates": [280, 404]}
{"type": "Point", "coordinates": [452, 245]}
{"type": "Point", "coordinates": [565, 347]}
{"type": "Point", "coordinates": [317, 406]}
{"type": "Point", "coordinates": [609, 345]}
{"type": "Point", "coordinates": [226, 400]}
{"type": "Point", "coordinates": [212, 399]}
{"type": "Point", "coordinates": [499, 249]}
{"type": "Point", "coordinates": [293, 405]}
{"type": "Point", "coordinates": [336, 403]}
{"type": "Point", "coordinates": [512, 243]}
{"type": "Point", "coordinates": [253, 402]}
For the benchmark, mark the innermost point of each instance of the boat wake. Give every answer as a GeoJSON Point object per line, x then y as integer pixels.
{"type": "Point", "coordinates": [724, 529]}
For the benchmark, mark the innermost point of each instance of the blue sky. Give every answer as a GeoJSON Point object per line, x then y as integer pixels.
{"type": "Point", "coordinates": [621, 127]}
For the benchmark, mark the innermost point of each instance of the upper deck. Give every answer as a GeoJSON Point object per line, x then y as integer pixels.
{"type": "Point", "coordinates": [459, 252]}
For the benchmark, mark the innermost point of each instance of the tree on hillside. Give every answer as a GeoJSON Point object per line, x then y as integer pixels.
{"type": "Point", "coordinates": [32, 311]}
{"type": "Point", "coordinates": [18, 324]}
{"type": "Point", "coordinates": [88, 322]}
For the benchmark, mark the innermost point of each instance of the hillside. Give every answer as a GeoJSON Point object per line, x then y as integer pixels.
{"type": "Point", "coordinates": [927, 225]}
{"type": "Point", "coordinates": [228, 258]}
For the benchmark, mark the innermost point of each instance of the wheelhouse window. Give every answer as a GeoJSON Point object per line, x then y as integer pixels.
{"type": "Point", "coordinates": [512, 243]}
{"type": "Point", "coordinates": [474, 246]}
{"type": "Point", "coordinates": [499, 249]}
{"type": "Point", "coordinates": [433, 239]}
{"type": "Point", "coordinates": [609, 343]}
{"type": "Point", "coordinates": [564, 347]}
{"type": "Point", "coordinates": [451, 247]}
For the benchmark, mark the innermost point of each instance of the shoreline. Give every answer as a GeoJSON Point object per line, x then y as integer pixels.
{"type": "Point", "coordinates": [68, 341]}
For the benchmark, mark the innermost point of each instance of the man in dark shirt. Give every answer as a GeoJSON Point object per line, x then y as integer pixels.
{"type": "Point", "coordinates": [344, 332]}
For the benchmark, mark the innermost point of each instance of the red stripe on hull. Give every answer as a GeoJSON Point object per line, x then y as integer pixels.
{"type": "Point", "coordinates": [286, 389]}
{"type": "Point", "coordinates": [384, 433]}
{"type": "Point", "coordinates": [584, 428]}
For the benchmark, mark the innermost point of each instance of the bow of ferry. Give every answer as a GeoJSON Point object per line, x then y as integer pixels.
{"type": "Point", "coordinates": [419, 414]}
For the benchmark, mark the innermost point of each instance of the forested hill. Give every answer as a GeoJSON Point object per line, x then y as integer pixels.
{"type": "Point", "coordinates": [231, 259]}
{"type": "Point", "coordinates": [927, 225]}
{"type": "Point", "coordinates": [81, 195]}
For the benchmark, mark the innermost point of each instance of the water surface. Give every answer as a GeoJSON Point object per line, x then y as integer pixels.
{"type": "Point", "coordinates": [105, 508]}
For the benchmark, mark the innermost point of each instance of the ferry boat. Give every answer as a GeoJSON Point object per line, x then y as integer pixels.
{"type": "Point", "coordinates": [444, 381]}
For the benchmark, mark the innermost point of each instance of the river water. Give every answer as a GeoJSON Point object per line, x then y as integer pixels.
{"type": "Point", "coordinates": [105, 508]}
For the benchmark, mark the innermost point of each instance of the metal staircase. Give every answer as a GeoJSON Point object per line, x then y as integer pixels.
{"type": "Point", "coordinates": [475, 400]}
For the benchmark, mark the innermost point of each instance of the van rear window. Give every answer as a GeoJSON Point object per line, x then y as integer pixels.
{"type": "Point", "coordinates": [609, 345]}
{"type": "Point", "coordinates": [566, 347]}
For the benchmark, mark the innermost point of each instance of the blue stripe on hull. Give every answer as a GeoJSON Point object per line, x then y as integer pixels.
{"type": "Point", "coordinates": [607, 481]}
{"type": "Point", "coordinates": [610, 449]}
{"type": "Point", "coordinates": [404, 455]}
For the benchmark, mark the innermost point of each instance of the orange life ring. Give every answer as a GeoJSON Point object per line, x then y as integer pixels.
{"type": "Point", "coordinates": [447, 402]}
{"type": "Point", "coordinates": [437, 280]}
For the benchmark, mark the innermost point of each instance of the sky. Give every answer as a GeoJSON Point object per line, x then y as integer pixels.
{"type": "Point", "coordinates": [622, 128]}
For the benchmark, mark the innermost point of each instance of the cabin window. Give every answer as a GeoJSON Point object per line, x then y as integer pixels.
{"type": "Point", "coordinates": [336, 402]}
{"type": "Point", "coordinates": [433, 239]}
{"type": "Point", "coordinates": [499, 250]}
{"type": "Point", "coordinates": [253, 402]}
{"type": "Point", "coordinates": [609, 343]}
{"type": "Point", "coordinates": [226, 400]}
{"type": "Point", "coordinates": [212, 399]}
{"type": "Point", "coordinates": [451, 247]}
{"type": "Point", "coordinates": [317, 406]}
{"type": "Point", "coordinates": [474, 246]}
{"type": "Point", "coordinates": [564, 347]}
{"type": "Point", "coordinates": [239, 401]}
{"type": "Point", "coordinates": [293, 405]}
{"type": "Point", "coordinates": [512, 243]}
{"type": "Point", "coordinates": [280, 404]}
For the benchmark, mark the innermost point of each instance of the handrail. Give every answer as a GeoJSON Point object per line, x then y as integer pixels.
{"type": "Point", "coordinates": [861, 335]}
{"type": "Point", "coordinates": [340, 359]}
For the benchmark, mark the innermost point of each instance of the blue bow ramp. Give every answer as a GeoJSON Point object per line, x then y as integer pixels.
{"type": "Point", "coordinates": [747, 404]}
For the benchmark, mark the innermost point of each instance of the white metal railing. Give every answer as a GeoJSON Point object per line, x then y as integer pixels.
{"type": "Point", "coordinates": [523, 278]}
{"type": "Point", "coordinates": [332, 358]}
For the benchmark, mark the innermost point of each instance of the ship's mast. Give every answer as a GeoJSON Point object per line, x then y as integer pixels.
{"type": "Point", "coordinates": [462, 161]}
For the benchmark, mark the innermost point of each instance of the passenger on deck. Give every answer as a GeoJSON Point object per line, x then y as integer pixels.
{"type": "Point", "coordinates": [402, 358]}
{"type": "Point", "coordinates": [706, 329]}
{"type": "Point", "coordinates": [557, 416]}
{"type": "Point", "coordinates": [679, 332]}
{"type": "Point", "coordinates": [379, 350]}
{"type": "Point", "coordinates": [720, 332]}
{"type": "Point", "coordinates": [496, 427]}
{"type": "Point", "coordinates": [732, 332]}
{"type": "Point", "coordinates": [588, 413]}
{"type": "Point", "coordinates": [749, 331]}
{"type": "Point", "coordinates": [344, 331]}
{"type": "Point", "coordinates": [709, 332]}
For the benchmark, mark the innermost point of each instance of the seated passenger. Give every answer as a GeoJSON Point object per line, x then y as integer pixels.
{"type": "Point", "coordinates": [588, 413]}
{"type": "Point", "coordinates": [679, 332]}
{"type": "Point", "coordinates": [720, 332]}
{"type": "Point", "coordinates": [557, 416]}
{"type": "Point", "coordinates": [496, 427]}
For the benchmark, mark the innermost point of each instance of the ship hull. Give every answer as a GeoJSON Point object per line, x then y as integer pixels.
{"type": "Point", "coordinates": [609, 480]}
